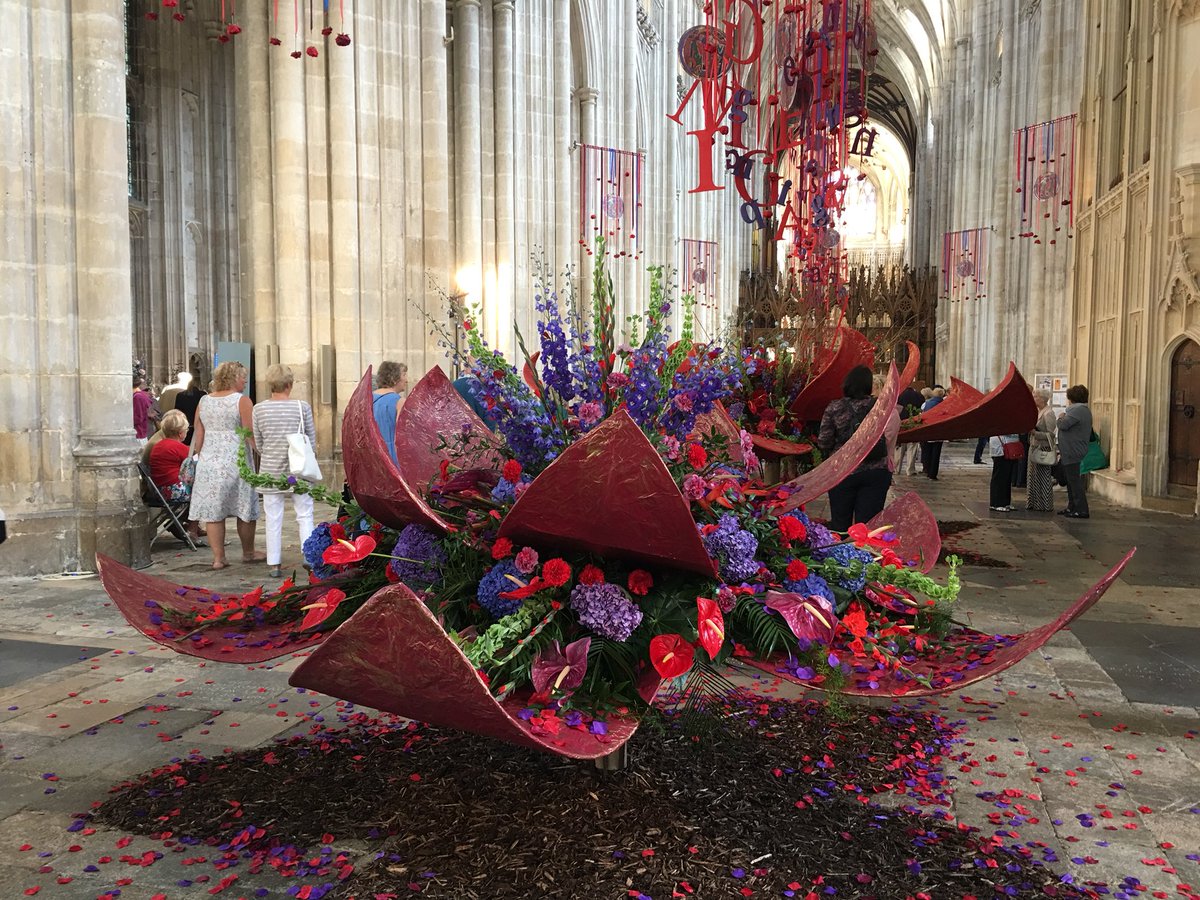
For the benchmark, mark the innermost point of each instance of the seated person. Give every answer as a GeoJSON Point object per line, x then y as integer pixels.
{"type": "Point", "coordinates": [166, 456]}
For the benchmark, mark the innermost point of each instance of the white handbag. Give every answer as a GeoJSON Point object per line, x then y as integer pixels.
{"type": "Point", "coordinates": [302, 461]}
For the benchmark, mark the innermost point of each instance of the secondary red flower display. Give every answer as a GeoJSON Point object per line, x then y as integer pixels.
{"type": "Point", "coordinates": [343, 553]}
{"type": "Point", "coordinates": [671, 655]}
{"type": "Point", "coordinates": [321, 610]}
{"type": "Point", "coordinates": [711, 625]}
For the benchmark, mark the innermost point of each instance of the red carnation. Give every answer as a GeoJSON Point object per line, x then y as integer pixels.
{"type": "Point", "coordinates": [501, 548]}
{"type": "Point", "coordinates": [797, 570]}
{"type": "Point", "coordinates": [511, 471]}
{"type": "Point", "coordinates": [591, 575]}
{"type": "Point", "coordinates": [697, 457]}
{"type": "Point", "coordinates": [792, 528]}
{"type": "Point", "coordinates": [640, 582]}
{"type": "Point", "coordinates": [556, 572]}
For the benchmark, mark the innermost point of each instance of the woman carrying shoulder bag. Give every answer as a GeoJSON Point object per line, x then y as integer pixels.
{"type": "Point", "coordinates": [1043, 454]}
{"type": "Point", "coordinates": [275, 420]}
{"type": "Point", "coordinates": [1006, 449]}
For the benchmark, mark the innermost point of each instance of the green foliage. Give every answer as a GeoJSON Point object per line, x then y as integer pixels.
{"type": "Point", "coordinates": [318, 492]}
{"type": "Point", "coordinates": [765, 633]}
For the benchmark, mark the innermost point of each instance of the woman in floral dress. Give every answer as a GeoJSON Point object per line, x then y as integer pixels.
{"type": "Point", "coordinates": [219, 491]}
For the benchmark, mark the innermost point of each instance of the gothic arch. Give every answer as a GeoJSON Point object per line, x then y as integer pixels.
{"type": "Point", "coordinates": [584, 32]}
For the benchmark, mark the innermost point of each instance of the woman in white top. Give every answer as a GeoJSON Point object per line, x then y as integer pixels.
{"type": "Point", "coordinates": [219, 490]}
{"type": "Point", "coordinates": [274, 420]}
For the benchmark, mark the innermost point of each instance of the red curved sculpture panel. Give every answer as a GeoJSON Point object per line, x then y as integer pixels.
{"type": "Point", "coordinates": [961, 397]}
{"type": "Point", "coordinates": [1007, 409]}
{"type": "Point", "coordinates": [611, 494]}
{"type": "Point", "coordinates": [142, 600]}
{"type": "Point", "coordinates": [770, 446]}
{"type": "Point", "coordinates": [826, 386]}
{"type": "Point", "coordinates": [834, 469]}
{"type": "Point", "coordinates": [718, 421]}
{"type": "Point", "coordinates": [910, 365]}
{"type": "Point", "coordinates": [393, 655]}
{"type": "Point", "coordinates": [918, 541]}
{"type": "Point", "coordinates": [968, 657]}
{"type": "Point", "coordinates": [433, 409]}
{"type": "Point", "coordinates": [378, 486]}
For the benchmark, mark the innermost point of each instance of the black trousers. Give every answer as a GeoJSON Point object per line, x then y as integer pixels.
{"type": "Point", "coordinates": [1000, 493]}
{"type": "Point", "coordinates": [859, 498]}
{"type": "Point", "coordinates": [931, 457]}
{"type": "Point", "coordinates": [1020, 474]}
{"type": "Point", "coordinates": [1076, 494]}
{"type": "Point", "coordinates": [980, 446]}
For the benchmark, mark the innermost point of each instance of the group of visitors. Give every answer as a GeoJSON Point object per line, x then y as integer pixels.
{"type": "Point", "coordinates": [204, 470]}
{"type": "Point", "coordinates": [1053, 450]}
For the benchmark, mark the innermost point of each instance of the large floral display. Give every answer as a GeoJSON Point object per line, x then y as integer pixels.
{"type": "Point", "coordinates": [539, 582]}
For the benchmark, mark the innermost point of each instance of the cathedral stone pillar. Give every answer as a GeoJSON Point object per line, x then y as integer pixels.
{"type": "Point", "coordinates": [468, 157]}
{"type": "Point", "coordinates": [587, 135]}
{"type": "Point", "coordinates": [503, 303]}
{"type": "Point", "coordinates": [105, 450]}
{"type": "Point", "coordinates": [562, 133]}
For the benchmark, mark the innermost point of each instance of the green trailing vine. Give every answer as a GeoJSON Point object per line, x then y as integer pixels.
{"type": "Point", "coordinates": [289, 482]}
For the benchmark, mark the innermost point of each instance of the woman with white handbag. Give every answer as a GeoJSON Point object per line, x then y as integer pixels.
{"type": "Point", "coordinates": [286, 437]}
{"type": "Point", "coordinates": [1043, 454]}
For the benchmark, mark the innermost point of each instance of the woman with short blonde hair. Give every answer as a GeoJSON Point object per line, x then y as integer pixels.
{"type": "Point", "coordinates": [274, 420]}
{"type": "Point", "coordinates": [219, 490]}
{"type": "Point", "coordinates": [174, 425]}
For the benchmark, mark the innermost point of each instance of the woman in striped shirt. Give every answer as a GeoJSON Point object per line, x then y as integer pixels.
{"type": "Point", "coordinates": [274, 420]}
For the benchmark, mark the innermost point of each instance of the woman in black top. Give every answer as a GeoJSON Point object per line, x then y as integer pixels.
{"type": "Point", "coordinates": [862, 494]}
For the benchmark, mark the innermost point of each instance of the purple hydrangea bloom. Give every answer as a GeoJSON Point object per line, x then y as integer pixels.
{"type": "Point", "coordinates": [422, 557]}
{"type": "Point", "coordinates": [495, 582]}
{"type": "Point", "coordinates": [818, 535]}
{"type": "Point", "coordinates": [606, 610]}
{"type": "Point", "coordinates": [733, 548]}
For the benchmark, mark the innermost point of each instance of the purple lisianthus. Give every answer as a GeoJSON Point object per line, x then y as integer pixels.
{"type": "Point", "coordinates": [606, 610]}
{"type": "Point", "coordinates": [733, 547]}
{"type": "Point", "coordinates": [494, 583]}
{"type": "Point", "coordinates": [421, 557]}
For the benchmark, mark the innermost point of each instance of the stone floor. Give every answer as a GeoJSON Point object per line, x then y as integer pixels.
{"type": "Point", "coordinates": [1092, 745]}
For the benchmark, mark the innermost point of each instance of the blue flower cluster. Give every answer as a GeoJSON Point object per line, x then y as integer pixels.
{"type": "Point", "coordinates": [693, 394]}
{"type": "Point", "coordinates": [606, 610]}
{"type": "Point", "coordinates": [314, 551]}
{"type": "Point", "coordinates": [641, 395]}
{"type": "Point", "coordinates": [519, 415]}
{"type": "Point", "coordinates": [733, 548]}
{"type": "Point", "coordinates": [422, 557]}
{"type": "Point", "coordinates": [555, 356]}
{"type": "Point", "coordinates": [496, 582]}
{"type": "Point", "coordinates": [845, 554]}
{"type": "Point", "coordinates": [813, 585]}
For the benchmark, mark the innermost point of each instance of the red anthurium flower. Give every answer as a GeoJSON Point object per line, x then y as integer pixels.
{"type": "Point", "coordinates": [711, 625]}
{"type": "Point", "coordinates": [671, 655]}
{"type": "Point", "coordinates": [888, 557]}
{"type": "Point", "coordinates": [521, 591]}
{"type": "Point", "coordinates": [810, 618]}
{"type": "Point", "coordinates": [501, 548]}
{"type": "Point", "coordinates": [863, 537]}
{"type": "Point", "coordinates": [640, 582]}
{"type": "Point", "coordinates": [591, 575]}
{"type": "Point", "coordinates": [561, 668]}
{"type": "Point", "coordinates": [319, 611]}
{"type": "Point", "coordinates": [342, 552]}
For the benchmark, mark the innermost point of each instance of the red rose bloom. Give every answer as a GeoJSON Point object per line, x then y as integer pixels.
{"type": "Point", "coordinates": [501, 548]}
{"type": "Point", "coordinates": [792, 528]}
{"type": "Point", "coordinates": [640, 582]}
{"type": "Point", "coordinates": [591, 575]}
{"type": "Point", "coordinates": [556, 572]}
{"type": "Point", "coordinates": [697, 457]}
{"type": "Point", "coordinates": [797, 570]}
{"type": "Point", "coordinates": [511, 471]}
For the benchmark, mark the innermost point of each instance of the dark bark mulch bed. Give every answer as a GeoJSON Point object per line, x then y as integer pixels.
{"type": "Point", "coordinates": [758, 799]}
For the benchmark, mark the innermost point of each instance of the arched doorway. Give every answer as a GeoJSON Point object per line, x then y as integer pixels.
{"type": "Point", "coordinates": [1184, 441]}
